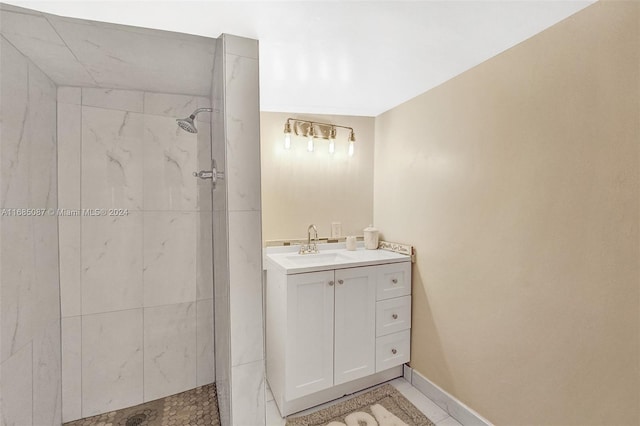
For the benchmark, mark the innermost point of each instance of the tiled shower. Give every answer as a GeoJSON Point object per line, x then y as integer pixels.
{"type": "Point", "coordinates": [142, 275]}
{"type": "Point", "coordinates": [108, 245]}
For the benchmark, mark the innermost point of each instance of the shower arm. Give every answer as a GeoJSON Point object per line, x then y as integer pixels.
{"type": "Point", "coordinates": [199, 110]}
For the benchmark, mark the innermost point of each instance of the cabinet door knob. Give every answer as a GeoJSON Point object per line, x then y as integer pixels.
{"type": "Point", "coordinates": [340, 282]}
{"type": "Point", "coordinates": [393, 351]}
{"type": "Point", "coordinates": [330, 282]}
{"type": "Point", "coordinates": [394, 316]}
{"type": "Point", "coordinates": [395, 281]}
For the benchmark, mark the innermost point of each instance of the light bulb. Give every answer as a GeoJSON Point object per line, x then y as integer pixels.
{"type": "Point", "coordinates": [351, 148]}
{"type": "Point", "coordinates": [332, 140]}
{"type": "Point", "coordinates": [310, 144]}
{"type": "Point", "coordinates": [287, 135]}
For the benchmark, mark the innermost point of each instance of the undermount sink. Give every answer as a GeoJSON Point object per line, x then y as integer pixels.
{"type": "Point", "coordinates": [317, 258]}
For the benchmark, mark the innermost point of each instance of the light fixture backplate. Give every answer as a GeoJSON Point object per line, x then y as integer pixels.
{"type": "Point", "coordinates": [322, 131]}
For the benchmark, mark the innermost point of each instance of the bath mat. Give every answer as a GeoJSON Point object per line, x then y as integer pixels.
{"type": "Point", "coordinates": [378, 407]}
{"type": "Point", "coordinates": [195, 407]}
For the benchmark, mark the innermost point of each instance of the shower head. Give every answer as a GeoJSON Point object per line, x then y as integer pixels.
{"type": "Point", "coordinates": [187, 124]}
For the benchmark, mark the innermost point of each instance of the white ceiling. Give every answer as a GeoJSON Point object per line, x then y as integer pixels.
{"type": "Point", "coordinates": [343, 57]}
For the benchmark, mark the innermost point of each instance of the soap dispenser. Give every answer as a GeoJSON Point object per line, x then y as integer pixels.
{"type": "Point", "coordinates": [370, 238]}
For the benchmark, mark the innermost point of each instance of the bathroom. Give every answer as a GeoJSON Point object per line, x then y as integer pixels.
{"type": "Point", "coordinates": [125, 279]}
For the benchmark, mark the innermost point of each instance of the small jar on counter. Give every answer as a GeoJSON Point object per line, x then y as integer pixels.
{"type": "Point", "coordinates": [371, 238]}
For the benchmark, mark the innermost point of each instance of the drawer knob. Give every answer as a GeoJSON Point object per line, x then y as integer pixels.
{"type": "Point", "coordinates": [330, 282]}
{"type": "Point", "coordinates": [395, 281]}
{"type": "Point", "coordinates": [393, 351]}
{"type": "Point", "coordinates": [394, 316]}
{"type": "Point", "coordinates": [340, 282]}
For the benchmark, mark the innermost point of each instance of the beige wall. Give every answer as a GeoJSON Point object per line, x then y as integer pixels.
{"type": "Point", "coordinates": [517, 182]}
{"type": "Point", "coordinates": [300, 188]}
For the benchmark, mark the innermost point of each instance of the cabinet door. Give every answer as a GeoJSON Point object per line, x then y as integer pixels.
{"type": "Point", "coordinates": [309, 358]}
{"type": "Point", "coordinates": [355, 324]}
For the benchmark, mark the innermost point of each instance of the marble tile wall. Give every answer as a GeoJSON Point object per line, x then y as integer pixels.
{"type": "Point", "coordinates": [91, 54]}
{"type": "Point", "coordinates": [221, 243]}
{"type": "Point", "coordinates": [30, 388]}
{"type": "Point", "coordinates": [237, 234]}
{"type": "Point", "coordinates": [242, 124]}
{"type": "Point", "coordinates": [136, 282]}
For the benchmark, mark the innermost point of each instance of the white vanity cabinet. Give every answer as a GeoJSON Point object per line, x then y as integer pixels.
{"type": "Point", "coordinates": [334, 332]}
{"type": "Point", "coordinates": [330, 329]}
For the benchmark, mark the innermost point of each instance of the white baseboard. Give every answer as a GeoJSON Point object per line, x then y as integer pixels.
{"type": "Point", "coordinates": [406, 372]}
{"type": "Point", "coordinates": [456, 409]}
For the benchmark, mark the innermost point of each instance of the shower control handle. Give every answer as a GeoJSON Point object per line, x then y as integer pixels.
{"type": "Point", "coordinates": [202, 174]}
{"type": "Point", "coordinates": [212, 174]}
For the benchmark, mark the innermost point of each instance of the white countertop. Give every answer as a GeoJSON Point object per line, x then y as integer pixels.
{"type": "Point", "coordinates": [331, 256]}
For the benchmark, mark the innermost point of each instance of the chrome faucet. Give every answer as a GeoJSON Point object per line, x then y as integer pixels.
{"type": "Point", "coordinates": [310, 248]}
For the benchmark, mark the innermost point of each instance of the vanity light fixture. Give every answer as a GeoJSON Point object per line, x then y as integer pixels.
{"type": "Point", "coordinates": [313, 130]}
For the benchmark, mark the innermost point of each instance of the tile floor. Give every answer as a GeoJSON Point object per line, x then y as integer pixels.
{"type": "Point", "coordinates": [195, 407]}
{"type": "Point", "coordinates": [424, 404]}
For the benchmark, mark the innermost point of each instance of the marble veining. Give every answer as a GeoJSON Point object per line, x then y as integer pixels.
{"type": "Point", "coordinates": [237, 234]}
{"type": "Point", "coordinates": [29, 305]}
{"type": "Point", "coordinates": [46, 296]}
{"type": "Point", "coordinates": [143, 64]}
{"type": "Point", "coordinates": [248, 394]}
{"type": "Point", "coordinates": [47, 392]}
{"type": "Point", "coordinates": [14, 150]}
{"type": "Point", "coordinates": [170, 105]}
{"type": "Point", "coordinates": [243, 133]}
{"type": "Point", "coordinates": [169, 350]}
{"type": "Point", "coordinates": [245, 261]}
{"type": "Point", "coordinates": [41, 134]}
{"type": "Point", "coordinates": [159, 258]}
{"type": "Point", "coordinates": [70, 266]}
{"type": "Point", "coordinates": [69, 155]}
{"type": "Point", "coordinates": [112, 361]}
{"type": "Point", "coordinates": [123, 100]}
{"type": "Point", "coordinates": [111, 159]}
{"type": "Point", "coordinates": [111, 263]}
{"type": "Point", "coordinates": [35, 37]}
{"type": "Point", "coordinates": [169, 257]}
{"type": "Point", "coordinates": [17, 399]}
{"type": "Point", "coordinates": [17, 273]}
{"type": "Point", "coordinates": [169, 161]}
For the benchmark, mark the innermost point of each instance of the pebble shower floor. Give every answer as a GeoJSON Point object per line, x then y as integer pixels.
{"type": "Point", "coordinates": [195, 407]}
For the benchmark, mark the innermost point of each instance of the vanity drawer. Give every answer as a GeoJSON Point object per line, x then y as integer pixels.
{"type": "Point", "coordinates": [393, 315]}
{"type": "Point", "coordinates": [393, 280]}
{"type": "Point", "coordinates": [392, 350]}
